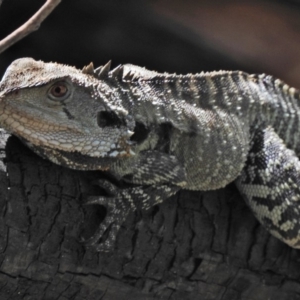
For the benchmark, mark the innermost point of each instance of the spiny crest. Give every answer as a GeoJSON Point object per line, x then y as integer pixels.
{"type": "Point", "coordinates": [129, 76]}
{"type": "Point", "coordinates": [89, 69]}
{"type": "Point", "coordinates": [125, 72]}
{"type": "Point", "coordinates": [117, 72]}
{"type": "Point", "coordinates": [104, 72]}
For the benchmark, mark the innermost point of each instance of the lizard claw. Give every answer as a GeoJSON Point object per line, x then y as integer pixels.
{"type": "Point", "coordinates": [116, 212]}
{"type": "Point", "coordinates": [105, 236]}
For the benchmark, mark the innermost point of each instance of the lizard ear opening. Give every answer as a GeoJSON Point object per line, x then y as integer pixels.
{"type": "Point", "coordinates": [141, 132]}
{"type": "Point", "coordinates": [109, 119]}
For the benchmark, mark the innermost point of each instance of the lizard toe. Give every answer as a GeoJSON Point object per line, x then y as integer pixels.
{"type": "Point", "coordinates": [116, 212]}
{"type": "Point", "coordinates": [107, 186]}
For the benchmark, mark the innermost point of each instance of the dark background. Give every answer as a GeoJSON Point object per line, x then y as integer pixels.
{"type": "Point", "coordinates": [173, 36]}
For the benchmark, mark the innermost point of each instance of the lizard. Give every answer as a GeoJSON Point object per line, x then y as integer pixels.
{"type": "Point", "coordinates": [160, 133]}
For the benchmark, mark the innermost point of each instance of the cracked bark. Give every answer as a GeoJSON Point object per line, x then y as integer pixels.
{"type": "Point", "coordinates": [194, 246]}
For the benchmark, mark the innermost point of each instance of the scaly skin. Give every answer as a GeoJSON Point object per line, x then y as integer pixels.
{"type": "Point", "coordinates": [163, 132]}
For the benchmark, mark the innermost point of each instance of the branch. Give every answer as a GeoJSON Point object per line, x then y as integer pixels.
{"type": "Point", "coordinates": [31, 25]}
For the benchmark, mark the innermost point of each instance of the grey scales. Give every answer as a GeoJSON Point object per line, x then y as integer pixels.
{"type": "Point", "coordinates": [162, 132]}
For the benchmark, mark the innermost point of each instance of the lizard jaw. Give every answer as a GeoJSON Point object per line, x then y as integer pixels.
{"type": "Point", "coordinates": [64, 138]}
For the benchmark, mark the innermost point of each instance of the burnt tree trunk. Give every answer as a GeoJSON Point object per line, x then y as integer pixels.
{"type": "Point", "coordinates": [193, 246]}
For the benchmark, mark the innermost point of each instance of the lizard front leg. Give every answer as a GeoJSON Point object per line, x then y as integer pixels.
{"type": "Point", "coordinates": [270, 183]}
{"type": "Point", "coordinates": [157, 176]}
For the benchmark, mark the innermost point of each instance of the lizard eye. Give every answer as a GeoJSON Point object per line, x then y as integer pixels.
{"type": "Point", "coordinates": [59, 91]}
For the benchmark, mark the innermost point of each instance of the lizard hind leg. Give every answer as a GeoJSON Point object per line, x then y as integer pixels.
{"type": "Point", "coordinates": [270, 184]}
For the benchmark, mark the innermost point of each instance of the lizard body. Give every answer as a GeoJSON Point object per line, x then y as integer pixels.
{"type": "Point", "coordinates": [163, 132]}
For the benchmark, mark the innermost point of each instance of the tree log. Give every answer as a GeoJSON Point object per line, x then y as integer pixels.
{"type": "Point", "coordinates": [196, 245]}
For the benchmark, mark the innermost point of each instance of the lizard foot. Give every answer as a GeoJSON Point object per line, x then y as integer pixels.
{"type": "Point", "coordinates": [117, 206]}
{"type": "Point", "coordinates": [119, 203]}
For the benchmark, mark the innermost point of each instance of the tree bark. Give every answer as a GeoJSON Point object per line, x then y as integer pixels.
{"type": "Point", "coordinates": [196, 245]}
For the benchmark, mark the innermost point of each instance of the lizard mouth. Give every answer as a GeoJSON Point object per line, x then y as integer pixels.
{"type": "Point", "coordinates": [67, 138]}
{"type": "Point", "coordinates": [74, 160]}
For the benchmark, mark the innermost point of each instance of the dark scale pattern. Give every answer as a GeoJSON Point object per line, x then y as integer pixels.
{"type": "Point", "coordinates": [157, 133]}
{"type": "Point", "coordinates": [270, 183]}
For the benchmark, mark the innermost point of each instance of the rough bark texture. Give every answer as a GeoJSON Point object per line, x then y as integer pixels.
{"type": "Point", "coordinates": [194, 246]}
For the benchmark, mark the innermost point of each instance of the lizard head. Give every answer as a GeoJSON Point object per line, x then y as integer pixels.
{"type": "Point", "coordinates": [67, 115]}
